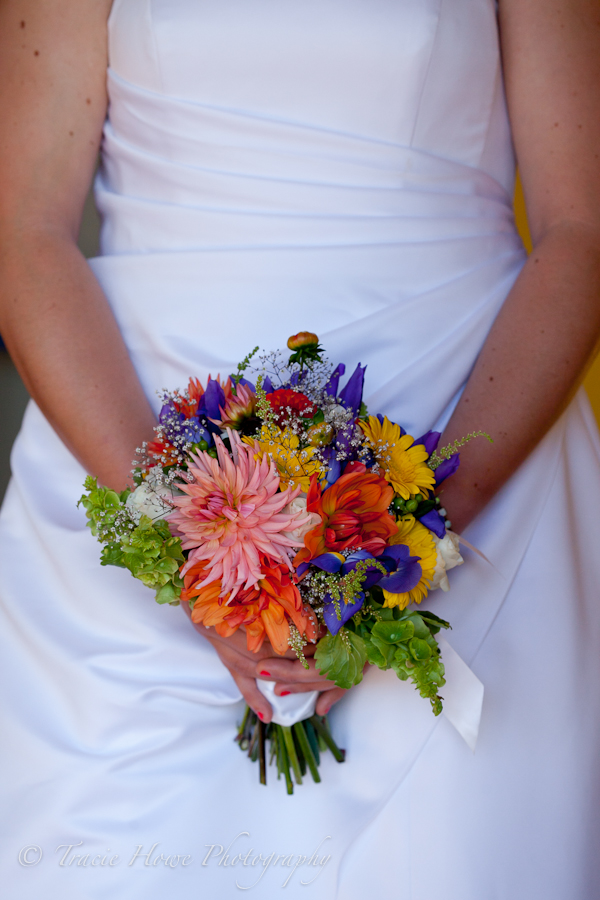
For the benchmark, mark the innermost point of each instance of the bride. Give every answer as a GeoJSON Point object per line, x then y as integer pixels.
{"type": "Point", "coordinates": [344, 166]}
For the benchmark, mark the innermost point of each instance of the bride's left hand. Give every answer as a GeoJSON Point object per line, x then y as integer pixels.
{"type": "Point", "coordinates": [291, 677]}
{"type": "Point", "coordinates": [287, 671]}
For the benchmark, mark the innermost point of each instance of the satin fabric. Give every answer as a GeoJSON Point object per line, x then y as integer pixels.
{"type": "Point", "coordinates": [343, 166]}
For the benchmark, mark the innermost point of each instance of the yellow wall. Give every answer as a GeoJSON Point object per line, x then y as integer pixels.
{"type": "Point", "coordinates": [592, 380]}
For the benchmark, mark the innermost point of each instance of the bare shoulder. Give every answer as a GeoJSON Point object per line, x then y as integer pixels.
{"type": "Point", "coordinates": [551, 58]}
{"type": "Point", "coordinates": [53, 58]}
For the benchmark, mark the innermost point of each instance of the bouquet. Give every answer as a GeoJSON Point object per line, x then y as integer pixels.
{"type": "Point", "coordinates": [280, 506]}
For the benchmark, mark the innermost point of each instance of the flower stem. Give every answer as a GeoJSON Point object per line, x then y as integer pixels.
{"type": "Point", "coordinates": [306, 750]}
{"type": "Point", "coordinates": [285, 766]}
{"type": "Point", "coordinates": [261, 753]}
{"type": "Point", "coordinates": [320, 726]}
{"type": "Point", "coordinates": [288, 738]}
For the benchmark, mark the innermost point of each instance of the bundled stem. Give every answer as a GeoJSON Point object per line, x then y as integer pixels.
{"type": "Point", "coordinates": [296, 749]}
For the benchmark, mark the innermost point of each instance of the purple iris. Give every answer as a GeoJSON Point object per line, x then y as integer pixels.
{"type": "Point", "coordinates": [334, 467]}
{"type": "Point", "coordinates": [403, 574]}
{"type": "Point", "coordinates": [245, 383]}
{"type": "Point", "coordinates": [434, 522]}
{"type": "Point", "coordinates": [347, 610]}
{"type": "Point", "coordinates": [331, 388]}
{"type": "Point", "coordinates": [351, 395]}
{"type": "Point", "coordinates": [446, 468]}
{"type": "Point", "coordinates": [180, 430]}
{"type": "Point", "coordinates": [212, 399]}
{"type": "Point", "coordinates": [430, 440]}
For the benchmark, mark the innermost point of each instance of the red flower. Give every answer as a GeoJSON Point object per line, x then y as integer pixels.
{"type": "Point", "coordinates": [354, 513]}
{"type": "Point", "coordinates": [287, 404]}
{"type": "Point", "coordinates": [190, 407]}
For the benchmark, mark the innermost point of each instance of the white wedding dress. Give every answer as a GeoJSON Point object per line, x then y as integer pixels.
{"type": "Point", "coordinates": [269, 166]}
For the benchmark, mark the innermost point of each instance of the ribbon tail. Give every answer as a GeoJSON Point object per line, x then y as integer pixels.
{"type": "Point", "coordinates": [462, 540]}
{"type": "Point", "coordinates": [462, 694]}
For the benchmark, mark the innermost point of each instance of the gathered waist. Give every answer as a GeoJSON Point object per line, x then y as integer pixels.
{"type": "Point", "coordinates": [180, 175]}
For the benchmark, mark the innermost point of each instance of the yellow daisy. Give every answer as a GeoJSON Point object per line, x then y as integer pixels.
{"type": "Point", "coordinates": [295, 465]}
{"type": "Point", "coordinates": [420, 543]}
{"type": "Point", "coordinates": [403, 463]}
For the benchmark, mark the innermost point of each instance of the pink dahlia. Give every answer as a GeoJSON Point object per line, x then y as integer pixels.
{"type": "Point", "coordinates": [238, 406]}
{"type": "Point", "coordinates": [232, 514]}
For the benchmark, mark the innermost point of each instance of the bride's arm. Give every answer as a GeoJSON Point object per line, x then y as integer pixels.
{"type": "Point", "coordinates": [54, 317]}
{"type": "Point", "coordinates": [539, 346]}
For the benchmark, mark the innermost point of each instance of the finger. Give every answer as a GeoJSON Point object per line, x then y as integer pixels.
{"type": "Point", "coordinates": [282, 690]}
{"type": "Point", "coordinates": [253, 697]}
{"type": "Point", "coordinates": [288, 670]}
{"type": "Point", "coordinates": [327, 699]}
{"type": "Point", "coordinates": [235, 661]}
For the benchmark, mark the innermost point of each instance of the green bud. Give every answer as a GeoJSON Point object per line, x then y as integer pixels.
{"type": "Point", "coordinates": [213, 452]}
{"type": "Point", "coordinates": [411, 506]}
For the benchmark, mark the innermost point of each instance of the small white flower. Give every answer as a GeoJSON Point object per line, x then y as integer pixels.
{"type": "Point", "coordinates": [150, 499]}
{"type": "Point", "coordinates": [448, 556]}
{"type": "Point", "coordinates": [299, 506]}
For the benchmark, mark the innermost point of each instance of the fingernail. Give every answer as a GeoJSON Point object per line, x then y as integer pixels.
{"type": "Point", "coordinates": [285, 693]}
{"type": "Point", "coordinates": [325, 711]}
{"type": "Point", "coordinates": [260, 716]}
{"type": "Point", "coordinates": [264, 672]}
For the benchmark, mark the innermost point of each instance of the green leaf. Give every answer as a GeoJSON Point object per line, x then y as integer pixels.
{"type": "Point", "coordinates": [374, 655]}
{"type": "Point", "coordinates": [386, 650]}
{"type": "Point", "coordinates": [342, 657]}
{"type": "Point", "coordinates": [420, 650]}
{"type": "Point", "coordinates": [167, 594]}
{"type": "Point", "coordinates": [394, 632]}
{"type": "Point", "coordinates": [433, 622]}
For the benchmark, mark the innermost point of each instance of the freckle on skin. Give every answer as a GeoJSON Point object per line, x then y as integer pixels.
{"type": "Point", "coordinates": [22, 24]}
{"type": "Point", "coordinates": [88, 101]}
{"type": "Point", "coordinates": [491, 377]}
{"type": "Point", "coordinates": [36, 52]}
{"type": "Point", "coordinates": [70, 134]}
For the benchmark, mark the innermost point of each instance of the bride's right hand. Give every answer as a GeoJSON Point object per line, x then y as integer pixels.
{"type": "Point", "coordinates": [245, 667]}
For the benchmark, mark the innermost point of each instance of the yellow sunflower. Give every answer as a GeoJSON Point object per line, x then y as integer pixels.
{"type": "Point", "coordinates": [295, 465]}
{"type": "Point", "coordinates": [403, 463]}
{"type": "Point", "coordinates": [420, 543]}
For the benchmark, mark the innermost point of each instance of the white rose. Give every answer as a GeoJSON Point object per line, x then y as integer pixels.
{"type": "Point", "coordinates": [298, 506]}
{"type": "Point", "coordinates": [448, 556]}
{"type": "Point", "coordinates": [149, 499]}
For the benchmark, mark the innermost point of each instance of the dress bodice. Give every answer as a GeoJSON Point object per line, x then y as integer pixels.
{"type": "Point", "coordinates": [328, 121]}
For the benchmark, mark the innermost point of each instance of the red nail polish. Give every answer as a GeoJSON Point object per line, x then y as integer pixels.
{"type": "Point", "coordinates": [264, 672]}
{"type": "Point", "coordinates": [260, 716]}
{"type": "Point", "coordinates": [285, 693]}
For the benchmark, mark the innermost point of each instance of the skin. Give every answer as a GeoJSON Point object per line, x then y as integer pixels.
{"type": "Point", "coordinates": [66, 344]}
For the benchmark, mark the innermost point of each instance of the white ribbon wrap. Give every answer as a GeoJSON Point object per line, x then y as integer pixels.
{"type": "Point", "coordinates": [291, 709]}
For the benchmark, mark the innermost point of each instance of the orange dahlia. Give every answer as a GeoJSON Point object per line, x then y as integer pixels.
{"type": "Point", "coordinates": [265, 610]}
{"type": "Point", "coordinates": [354, 513]}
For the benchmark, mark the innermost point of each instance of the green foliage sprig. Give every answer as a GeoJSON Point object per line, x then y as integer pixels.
{"type": "Point", "coordinates": [147, 549]}
{"type": "Point", "coordinates": [438, 456]}
{"type": "Point", "coordinates": [402, 640]}
{"type": "Point", "coordinates": [243, 365]}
